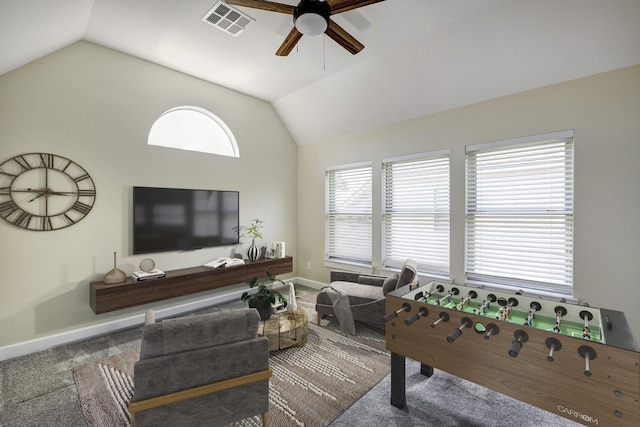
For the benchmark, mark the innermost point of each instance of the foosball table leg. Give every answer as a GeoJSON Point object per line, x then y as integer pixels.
{"type": "Point", "coordinates": [398, 381]}
{"type": "Point", "coordinates": [426, 370]}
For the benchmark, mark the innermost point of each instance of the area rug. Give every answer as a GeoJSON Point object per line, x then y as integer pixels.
{"type": "Point", "coordinates": [311, 385]}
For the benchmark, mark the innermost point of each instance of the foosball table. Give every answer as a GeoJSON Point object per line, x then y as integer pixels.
{"type": "Point", "coordinates": [579, 362]}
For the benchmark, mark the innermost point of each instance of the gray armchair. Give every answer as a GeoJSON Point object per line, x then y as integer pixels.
{"type": "Point", "coordinates": [208, 369]}
{"type": "Point", "coordinates": [365, 293]}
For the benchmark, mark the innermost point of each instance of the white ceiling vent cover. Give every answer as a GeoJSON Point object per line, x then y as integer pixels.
{"type": "Point", "coordinates": [227, 18]}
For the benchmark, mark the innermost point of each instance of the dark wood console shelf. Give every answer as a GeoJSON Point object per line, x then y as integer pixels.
{"type": "Point", "coordinates": [185, 281]}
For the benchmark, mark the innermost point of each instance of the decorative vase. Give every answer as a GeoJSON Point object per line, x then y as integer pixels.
{"type": "Point", "coordinates": [292, 305]}
{"type": "Point", "coordinates": [115, 275]}
{"type": "Point", "coordinates": [253, 253]}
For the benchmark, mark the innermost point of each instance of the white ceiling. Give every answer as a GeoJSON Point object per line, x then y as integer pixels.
{"type": "Point", "coordinates": [420, 56]}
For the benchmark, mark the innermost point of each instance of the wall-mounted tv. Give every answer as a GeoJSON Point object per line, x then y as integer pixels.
{"type": "Point", "coordinates": [175, 219]}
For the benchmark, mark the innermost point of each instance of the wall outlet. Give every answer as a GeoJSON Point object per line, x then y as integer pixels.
{"type": "Point", "coordinates": [308, 265]}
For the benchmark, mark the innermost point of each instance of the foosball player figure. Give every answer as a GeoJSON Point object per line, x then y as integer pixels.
{"type": "Point", "coordinates": [529, 321]}
{"type": "Point", "coordinates": [586, 333]}
{"type": "Point", "coordinates": [556, 326]}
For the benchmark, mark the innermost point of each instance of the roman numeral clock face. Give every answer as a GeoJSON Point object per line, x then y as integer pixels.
{"type": "Point", "coordinates": [43, 192]}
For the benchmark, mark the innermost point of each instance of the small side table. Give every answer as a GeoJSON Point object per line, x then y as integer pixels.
{"type": "Point", "coordinates": [285, 329]}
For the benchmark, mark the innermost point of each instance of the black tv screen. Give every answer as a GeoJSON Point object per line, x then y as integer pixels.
{"type": "Point", "coordinates": [174, 219]}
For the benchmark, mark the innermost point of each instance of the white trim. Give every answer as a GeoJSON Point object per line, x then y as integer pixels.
{"type": "Point", "coordinates": [563, 134]}
{"type": "Point", "coordinates": [349, 266]}
{"type": "Point", "coordinates": [349, 166]}
{"type": "Point", "coordinates": [39, 344]}
{"type": "Point", "coordinates": [309, 283]}
{"type": "Point", "coordinates": [425, 155]}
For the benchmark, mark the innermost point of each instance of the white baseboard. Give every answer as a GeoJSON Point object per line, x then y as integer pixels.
{"type": "Point", "coordinates": [50, 341]}
{"type": "Point", "coordinates": [309, 283]}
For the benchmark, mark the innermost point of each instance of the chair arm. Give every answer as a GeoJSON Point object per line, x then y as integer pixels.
{"type": "Point", "coordinates": [343, 276]}
{"type": "Point", "coordinates": [155, 402]}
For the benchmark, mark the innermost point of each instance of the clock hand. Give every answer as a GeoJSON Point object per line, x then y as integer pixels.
{"type": "Point", "coordinates": [28, 190]}
{"type": "Point", "coordinates": [39, 195]}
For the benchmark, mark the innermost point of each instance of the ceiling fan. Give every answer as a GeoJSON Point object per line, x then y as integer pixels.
{"type": "Point", "coordinates": [312, 18]}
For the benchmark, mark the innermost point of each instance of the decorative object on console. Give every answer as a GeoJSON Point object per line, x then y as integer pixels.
{"type": "Point", "coordinates": [147, 265]}
{"type": "Point", "coordinates": [44, 192]}
{"type": "Point", "coordinates": [139, 276]}
{"type": "Point", "coordinates": [115, 275]}
{"type": "Point", "coordinates": [275, 250]}
{"type": "Point", "coordinates": [253, 252]}
{"type": "Point", "coordinates": [264, 297]}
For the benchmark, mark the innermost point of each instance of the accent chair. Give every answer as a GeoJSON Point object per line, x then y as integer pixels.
{"type": "Point", "coordinates": [366, 293]}
{"type": "Point", "coordinates": [209, 369]}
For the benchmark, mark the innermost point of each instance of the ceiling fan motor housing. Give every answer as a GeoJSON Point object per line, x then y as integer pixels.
{"type": "Point", "coordinates": [311, 17]}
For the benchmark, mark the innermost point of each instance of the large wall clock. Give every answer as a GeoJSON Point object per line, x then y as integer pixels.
{"type": "Point", "coordinates": [43, 192]}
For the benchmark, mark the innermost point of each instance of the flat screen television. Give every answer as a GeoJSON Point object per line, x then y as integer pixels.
{"type": "Point", "coordinates": [175, 219]}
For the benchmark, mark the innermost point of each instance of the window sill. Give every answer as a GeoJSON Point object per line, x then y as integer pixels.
{"type": "Point", "coordinates": [349, 266]}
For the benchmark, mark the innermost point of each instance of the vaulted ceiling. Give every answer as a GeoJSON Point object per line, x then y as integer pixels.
{"type": "Point", "coordinates": [420, 56]}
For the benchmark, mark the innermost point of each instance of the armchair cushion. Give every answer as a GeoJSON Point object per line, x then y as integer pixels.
{"type": "Point", "coordinates": [365, 279]}
{"type": "Point", "coordinates": [194, 332]}
{"type": "Point", "coordinates": [407, 274]}
{"type": "Point", "coordinates": [390, 283]}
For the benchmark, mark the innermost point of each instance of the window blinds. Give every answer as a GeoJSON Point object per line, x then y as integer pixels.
{"type": "Point", "coordinates": [416, 212]}
{"type": "Point", "coordinates": [349, 213]}
{"type": "Point", "coordinates": [519, 213]}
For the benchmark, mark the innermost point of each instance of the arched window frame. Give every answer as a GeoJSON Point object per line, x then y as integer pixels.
{"type": "Point", "coordinates": [219, 128]}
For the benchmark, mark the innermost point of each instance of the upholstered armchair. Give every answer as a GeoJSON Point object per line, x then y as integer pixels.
{"type": "Point", "coordinates": [209, 369]}
{"type": "Point", "coordinates": [365, 293]}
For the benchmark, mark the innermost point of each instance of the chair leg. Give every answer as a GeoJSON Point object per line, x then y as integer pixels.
{"type": "Point", "coordinates": [265, 419]}
{"type": "Point", "coordinates": [319, 317]}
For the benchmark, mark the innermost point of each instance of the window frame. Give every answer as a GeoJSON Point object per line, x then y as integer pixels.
{"type": "Point", "coordinates": [411, 177]}
{"type": "Point", "coordinates": [171, 131]}
{"type": "Point", "coordinates": [494, 227]}
{"type": "Point", "coordinates": [333, 254]}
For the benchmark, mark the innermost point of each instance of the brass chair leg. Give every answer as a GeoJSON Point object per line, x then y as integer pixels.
{"type": "Point", "coordinates": [265, 419]}
{"type": "Point", "coordinates": [319, 318]}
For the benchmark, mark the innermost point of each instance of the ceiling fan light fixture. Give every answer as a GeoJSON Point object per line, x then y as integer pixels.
{"type": "Point", "coordinates": [311, 17]}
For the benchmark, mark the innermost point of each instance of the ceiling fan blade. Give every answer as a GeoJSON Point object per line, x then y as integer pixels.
{"type": "Point", "coordinates": [263, 5]}
{"type": "Point", "coordinates": [344, 39]}
{"type": "Point", "coordinates": [339, 6]}
{"type": "Point", "coordinates": [289, 42]}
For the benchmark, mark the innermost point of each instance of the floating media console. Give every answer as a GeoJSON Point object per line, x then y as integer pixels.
{"type": "Point", "coordinates": [177, 283]}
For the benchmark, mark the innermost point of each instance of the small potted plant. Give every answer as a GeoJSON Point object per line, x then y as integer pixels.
{"type": "Point", "coordinates": [253, 230]}
{"type": "Point", "coordinates": [264, 297]}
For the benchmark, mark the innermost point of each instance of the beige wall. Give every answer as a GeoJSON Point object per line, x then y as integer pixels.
{"type": "Point", "coordinates": [604, 110]}
{"type": "Point", "coordinates": [95, 106]}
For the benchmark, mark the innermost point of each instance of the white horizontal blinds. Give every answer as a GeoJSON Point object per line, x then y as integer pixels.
{"type": "Point", "coordinates": [416, 212]}
{"type": "Point", "coordinates": [519, 220]}
{"type": "Point", "coordinates": [349, 214]}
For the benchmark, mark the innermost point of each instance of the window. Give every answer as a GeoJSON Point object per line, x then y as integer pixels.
{"type": "Point", "coordinates": [519, 214]}
{"type": "Point", "coordinates": [416, 212]}
{"type": "Point", "coordinates": [348, 213]}
{"type": "Point", "coordinates": [194, 129]}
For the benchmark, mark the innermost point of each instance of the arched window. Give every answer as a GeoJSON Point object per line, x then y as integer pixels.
{"type": "Point", "coordinates": [195, 129]}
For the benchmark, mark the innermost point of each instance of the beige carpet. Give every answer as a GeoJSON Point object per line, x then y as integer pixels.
{"type": "Point", "coordinates": [311, 385]}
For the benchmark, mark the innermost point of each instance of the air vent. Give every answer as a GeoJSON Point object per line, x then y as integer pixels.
{"type": "Point", "coordinates": [227, 18]}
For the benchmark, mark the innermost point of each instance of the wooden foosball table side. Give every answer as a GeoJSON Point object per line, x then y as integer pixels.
{"type": "Point", "coordinates": [609, 396]}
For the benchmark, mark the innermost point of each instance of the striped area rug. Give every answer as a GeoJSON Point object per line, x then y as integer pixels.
{"type": "Point", "coordinates": [311, 385]}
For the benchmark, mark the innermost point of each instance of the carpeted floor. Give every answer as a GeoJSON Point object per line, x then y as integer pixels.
{"type": "Point", "coordinates": [39, 390]}
{"type": "Point", "coordinates": [311, 384]}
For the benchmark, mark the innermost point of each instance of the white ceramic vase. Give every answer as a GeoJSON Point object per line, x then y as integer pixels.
{"type": "Point", "coordinates": [292, 305]}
